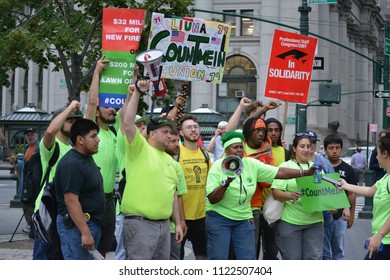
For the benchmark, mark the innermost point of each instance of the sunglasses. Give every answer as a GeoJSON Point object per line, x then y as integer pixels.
{"type": "Point", "coordinates": [302, 134]}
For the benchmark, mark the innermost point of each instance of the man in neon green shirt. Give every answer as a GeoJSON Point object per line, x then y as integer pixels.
{"type": "Point", "coordinates": [152, 177]}
{"type": "Point", "coordinates": [173, 150]}
{"type": "Point", "coordinates": [105, 158]}
{"type": "Point", "coordinates": [57, 132]}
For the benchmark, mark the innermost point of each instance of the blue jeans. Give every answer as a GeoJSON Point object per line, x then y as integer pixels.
{"type": "Point", "coordinates": [71, 240]}
{"type": "Point", "coordinates": [221, 231]}
{"type": "Point", "coordinates": [334, 238]}
{"type": "Point", "coordinates": [40, 248]}
{"type": "Point", "coordinates": [120, 252]}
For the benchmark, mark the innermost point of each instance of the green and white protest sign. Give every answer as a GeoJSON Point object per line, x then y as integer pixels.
{"type": "Point", "coordinates": [322, 196]}
{"type": "Point", "coordinates": [194, 49]}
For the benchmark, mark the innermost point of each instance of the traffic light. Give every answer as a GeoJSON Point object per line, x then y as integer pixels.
{"type": "Point", "coordinates": [330, 93]}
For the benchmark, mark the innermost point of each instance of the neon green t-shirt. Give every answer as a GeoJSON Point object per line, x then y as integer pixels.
{"type": "Point", "coordinates": [105, 158]}
{"type": "Point", "coordinates": [120, 152]}
{"type": "Point", "coordinates": [235, 204]}
{"type": "Point", "coordinates": [181, 189]}
{"type": "Point", "coordinates": [120, 155]}
{"type": "Point", "coordinates": [45, 157]}
{"type": "Point", "coordinates": [381, 209]}
{"type": "Point", "coordinates": [195, 172]}
{"type": "Point", "coordinates": [294, 213]}
{"type": "Point", "coordinates": [151, 180]}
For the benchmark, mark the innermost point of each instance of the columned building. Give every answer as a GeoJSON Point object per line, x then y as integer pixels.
{"type": "Point", "coordinates": [357, 25]}
{"type": "Point", "coordinates": [354, 24]}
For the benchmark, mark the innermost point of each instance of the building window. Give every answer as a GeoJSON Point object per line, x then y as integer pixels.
{"type": "Point", "coordinates": [246, 23]}
{"type": "Point", "coordinates": [239, 80]}
{"type": "Point", "coordinates": [231, 20]}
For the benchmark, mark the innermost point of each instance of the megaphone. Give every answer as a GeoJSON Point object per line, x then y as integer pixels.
{"type": "Point", "coordinates": [151, 60]}
{"type": "Point", "coordinates": [232, 166]}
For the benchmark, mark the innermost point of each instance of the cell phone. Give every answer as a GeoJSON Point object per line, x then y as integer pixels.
{"type": "Point", "coordinates": [367, 243]}
{"type": "Point", "coordinates": [330, 180]}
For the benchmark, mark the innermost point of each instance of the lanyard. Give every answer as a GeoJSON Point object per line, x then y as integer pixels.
{"type": "Point", "coordinates": [299, 165]}
{"type": "Point", "coordinates": [246, 193]}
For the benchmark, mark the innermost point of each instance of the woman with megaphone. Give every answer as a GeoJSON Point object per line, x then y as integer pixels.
{"type": "Point", "coordinates": [231, 182]}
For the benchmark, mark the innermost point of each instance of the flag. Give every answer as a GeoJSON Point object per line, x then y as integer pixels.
{"type": "Point", "coordinates": [177, 36]}
{"type": "Point", "coordinates": [215, 40]}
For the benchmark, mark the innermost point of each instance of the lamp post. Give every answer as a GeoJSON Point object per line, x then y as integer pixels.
{"type": "Point", "coordinates": [300, 110]}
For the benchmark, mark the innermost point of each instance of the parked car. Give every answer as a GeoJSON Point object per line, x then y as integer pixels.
{"type": "Point", "coordinates": [346, 156]}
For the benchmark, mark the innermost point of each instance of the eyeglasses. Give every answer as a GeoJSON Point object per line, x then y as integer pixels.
{"type": "Point", "coordinates": [302, 134]}
{"type": "Point", "coordinates": [190, 127]}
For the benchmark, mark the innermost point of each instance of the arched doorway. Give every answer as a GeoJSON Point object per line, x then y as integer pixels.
{"type": "Point", "coordinates": [239, 80]}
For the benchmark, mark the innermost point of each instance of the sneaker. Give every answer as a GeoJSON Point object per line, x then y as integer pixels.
{"type": "Point", "coordinates": [26, 230]}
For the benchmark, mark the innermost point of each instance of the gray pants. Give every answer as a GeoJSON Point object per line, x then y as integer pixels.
{"type": "Point", "coordinates": [147, 240]}
{"type": "Point", "coordinates": [296, 242]}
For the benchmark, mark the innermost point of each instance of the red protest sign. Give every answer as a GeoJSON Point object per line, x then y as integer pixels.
{"type": "Point", "coordinates": [290, 67]}
{"type": "Point", "coordinates": [122, 29]}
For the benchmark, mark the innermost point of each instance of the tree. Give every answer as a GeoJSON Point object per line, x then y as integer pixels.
{"type": "Point", "coordinates": [66, 33]}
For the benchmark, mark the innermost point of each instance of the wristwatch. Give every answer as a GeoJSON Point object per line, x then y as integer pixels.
{"type": "Point", "coordinates": [224, 184]}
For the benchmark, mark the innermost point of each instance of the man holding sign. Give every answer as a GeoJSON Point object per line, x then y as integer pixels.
{"type": "Point", "coordinates": [105, 158]}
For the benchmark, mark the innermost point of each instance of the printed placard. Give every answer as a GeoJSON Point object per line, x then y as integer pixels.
{"type": "Point", "coordinates": [194, 49]}
{"type": "Point", "coordinates": [121, 34]}
{"type": "Point", "coordinates": [290, 67]}
{"type": "Point", "coordinates": [323, 196]}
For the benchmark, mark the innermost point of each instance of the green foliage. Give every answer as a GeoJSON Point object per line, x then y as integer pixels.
{"type": "Point", "coordinates": [66, 33]}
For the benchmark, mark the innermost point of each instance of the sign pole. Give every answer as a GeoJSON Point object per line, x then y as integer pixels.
{"type": "Point", "coordinates": [301, 111]}
{"type": "Point", "coordinates": [284, 119]}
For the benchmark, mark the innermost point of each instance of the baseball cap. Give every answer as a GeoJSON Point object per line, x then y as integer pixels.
{"type": "Point", "coordinates": [30, 129]}
{"type": "Point", "coordinates": [312, 135]}
{"type": "Point", "coordinates": [160, 122]}
{"type": "Point", "coordinates": [70, 115]}
{"type": "Point", "coordinates": [139, 119]}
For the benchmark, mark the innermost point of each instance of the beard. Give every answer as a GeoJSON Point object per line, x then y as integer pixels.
{"type": "Point", "coordinates": [107, 121]}
{"type": "Point", "coordinates": [64, 132]}
{"type": "Point", "coordinates": [191, 138]}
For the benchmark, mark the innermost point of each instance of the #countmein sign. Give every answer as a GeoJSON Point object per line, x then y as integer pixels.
{"type": "Point", "coordinates": [321, 196]}
{"type": "Point", "coordinates": [290, 67]}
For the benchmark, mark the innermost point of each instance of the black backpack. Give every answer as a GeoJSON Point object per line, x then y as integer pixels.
{"type": "Point", "coordinates": [32, 176]}
{"type": "Point", "coordinates": [45, 217]}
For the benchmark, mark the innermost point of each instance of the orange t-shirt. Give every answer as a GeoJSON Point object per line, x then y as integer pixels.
{"type": "Point", "coordinates": [263, 154]}
{"type": "Point", "coordinates": [30, 151]}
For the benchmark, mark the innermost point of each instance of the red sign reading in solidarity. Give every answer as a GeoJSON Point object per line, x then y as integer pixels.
{"type": "Point", "coordinates": [290, 67]}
